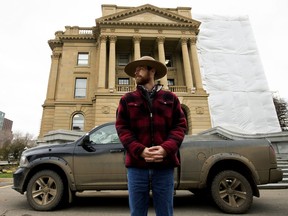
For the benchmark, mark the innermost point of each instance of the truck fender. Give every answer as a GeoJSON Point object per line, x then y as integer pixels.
{"type": "Point", "coordinates": [212, 160]}
{"type": "Point", "coordinates": [59, 162]}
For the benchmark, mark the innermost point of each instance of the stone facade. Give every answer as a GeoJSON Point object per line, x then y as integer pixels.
{"type": "Point", "coordinates": [87, 75]}
{"type": "Point", "coordinates": [6, 133]}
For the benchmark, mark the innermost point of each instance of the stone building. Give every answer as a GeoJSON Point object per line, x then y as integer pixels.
{"type": "Point", "coordinates": [87, 75]}
{"type": "Point", "coordinates": [6, 133]}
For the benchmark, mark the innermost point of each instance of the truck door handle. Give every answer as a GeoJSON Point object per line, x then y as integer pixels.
{"type": "Point", "coordinates": [116, 150]}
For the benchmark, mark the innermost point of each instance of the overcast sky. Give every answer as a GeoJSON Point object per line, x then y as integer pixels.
{"type": "Point", "coordinates": [27, 25]}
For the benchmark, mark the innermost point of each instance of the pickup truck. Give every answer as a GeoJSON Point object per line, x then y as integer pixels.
{"type": "Point", "coordinates": [227, 171]}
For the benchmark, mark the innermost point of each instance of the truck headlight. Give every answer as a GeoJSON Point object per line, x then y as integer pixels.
{"type": "Point", "coordinates": [23, 161]}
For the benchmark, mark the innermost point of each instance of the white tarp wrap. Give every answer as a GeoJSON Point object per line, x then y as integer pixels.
{"type": "Point", "coordinates": [232, 74]}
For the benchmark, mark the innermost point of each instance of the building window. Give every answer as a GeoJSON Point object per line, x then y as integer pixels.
{"type": "Point", "coordinates": [83, 59]}
{"type": "Point", "coordinates": [123, 81]}
{"type": "Point", "coordinates": [80, 87]}
{"type": "Point", "coordinates": [123, 59]}
{"type": "Point", "coordinates": [78, 122]}
{"type": "Point", "coordinates": [170, 82]}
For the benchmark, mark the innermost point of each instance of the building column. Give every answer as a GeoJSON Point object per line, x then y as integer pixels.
{"type": "Point", "coordinates": [53, 77]}
{"type": "Point", "coordinates": [161, 54]}
{"type": "Point", "coordinates": [137, 52]}
{"type": "Point", "coordinates": [195, 63]}
{"type": "Point", "coordinates": [187, 66]}
{"type": "Point", "coordinates": [102, 63]}
{"type": "Point", "coordinates": [112, 64]}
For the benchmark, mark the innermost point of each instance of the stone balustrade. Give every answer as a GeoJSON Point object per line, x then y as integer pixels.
{"type": "Point", "coordinates": [128, 88]}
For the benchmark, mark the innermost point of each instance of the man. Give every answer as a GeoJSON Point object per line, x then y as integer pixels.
{"type": "Point", "coordinates": [151, 126]}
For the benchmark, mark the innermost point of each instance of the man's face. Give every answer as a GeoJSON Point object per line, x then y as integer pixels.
{"type": "Point", "coordinates": [142, 75]}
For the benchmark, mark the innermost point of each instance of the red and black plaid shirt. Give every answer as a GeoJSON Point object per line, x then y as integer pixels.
{"type": "Point", "coordinates": [145, 120]}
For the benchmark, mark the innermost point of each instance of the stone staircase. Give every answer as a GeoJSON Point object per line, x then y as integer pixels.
{"type": "Point", "coordinates": [282, 161]}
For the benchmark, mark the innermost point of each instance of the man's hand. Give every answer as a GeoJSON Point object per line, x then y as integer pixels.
{"type": "Point", "coordinates": [154, 154]}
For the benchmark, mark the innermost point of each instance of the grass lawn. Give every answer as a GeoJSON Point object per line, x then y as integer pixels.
{"type": "Point", "coordinates": [6, 175]}
{"type": "Point", "coordinates": [7, 171]}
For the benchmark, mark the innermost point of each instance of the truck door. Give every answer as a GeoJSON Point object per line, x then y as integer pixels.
{"type": "Point", "coordinates": [101, 167]}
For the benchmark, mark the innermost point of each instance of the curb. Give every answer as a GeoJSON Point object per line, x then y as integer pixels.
{"type": "Point", "coordinates": [6, 180]}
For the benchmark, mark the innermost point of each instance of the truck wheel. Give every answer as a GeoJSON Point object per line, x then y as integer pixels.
{"type": "Point", "coordinates": [45, 190]}
{"type": "Point", "coordinates": [232, 192]}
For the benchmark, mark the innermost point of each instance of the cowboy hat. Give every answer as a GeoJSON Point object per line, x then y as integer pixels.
{"type": "Point", "coordinates": [160, 68]}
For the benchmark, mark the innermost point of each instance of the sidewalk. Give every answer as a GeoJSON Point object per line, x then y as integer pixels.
{"type": "Point", "coordinates": [6, 181]}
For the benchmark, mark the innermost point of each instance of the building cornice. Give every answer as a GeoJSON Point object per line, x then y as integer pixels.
{"type": "Point", "coordinates": [73, 33]}
{"type": "Point", "coordinates": [146, 8]}
{"type": "Point", "coordinates": [117, 18]}
{"type": "Point", "coordinates": [121, 20]}
{"type": "Point", "coordinates": [53, 43]}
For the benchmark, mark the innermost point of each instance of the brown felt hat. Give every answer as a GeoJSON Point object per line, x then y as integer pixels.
{"type": "Point", "coordinates": [161, 69]}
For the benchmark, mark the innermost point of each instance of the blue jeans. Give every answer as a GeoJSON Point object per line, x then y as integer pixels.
{"type": "Point", "coordinates": [161, 183]}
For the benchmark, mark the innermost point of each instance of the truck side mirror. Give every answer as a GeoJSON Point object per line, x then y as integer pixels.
{"type": "Point", "coordinates": [87, 144]}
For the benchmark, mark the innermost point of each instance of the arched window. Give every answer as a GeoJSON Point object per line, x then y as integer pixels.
{"type": "Point", "coordinates": [78, 122]}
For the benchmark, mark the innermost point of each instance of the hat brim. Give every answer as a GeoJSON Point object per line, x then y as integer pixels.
{"type": "Point", "coordinates": [161, 69]}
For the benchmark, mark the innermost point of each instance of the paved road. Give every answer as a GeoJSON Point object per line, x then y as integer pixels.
{"type": "Point", "coordinates": [272, 202]}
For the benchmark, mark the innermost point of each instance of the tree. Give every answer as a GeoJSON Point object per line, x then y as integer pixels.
{"type": "Point", "coordinates": [5, 136]}
{"type": "Point", "coordinates": [4, 150]}
{"type": "Point", "coordinates": [16, 146]}
{"type": "Point", "coordinates": [282, 112]}
{"type": "Point", "coordinates": [19, 143]}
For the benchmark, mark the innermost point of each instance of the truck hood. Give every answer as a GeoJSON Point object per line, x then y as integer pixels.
{"type": "Point", "coordinates": [48, 148]}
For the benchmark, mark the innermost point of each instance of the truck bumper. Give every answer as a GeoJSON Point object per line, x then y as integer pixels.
{"type": "Point", "coordinates": [19, 180]}
{"type": "Point", "coordinates": [276, 175]}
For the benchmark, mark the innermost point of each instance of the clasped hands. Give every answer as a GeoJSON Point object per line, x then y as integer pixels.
{"type": "Point", "coordinates": [154, 154]}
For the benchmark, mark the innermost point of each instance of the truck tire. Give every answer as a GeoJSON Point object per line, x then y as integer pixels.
{"type": "Point", "coordinates": [232, 192]}
{"type": "Point", "coordinates": [45, 190]}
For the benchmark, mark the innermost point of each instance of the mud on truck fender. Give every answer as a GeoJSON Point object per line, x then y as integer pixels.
{"type": "Point", "coordinates": [232, 181]}
{"type": "Point", "coordinates": [48, 183]}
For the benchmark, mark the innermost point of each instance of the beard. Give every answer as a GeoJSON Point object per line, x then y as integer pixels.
{"type": "Point", "coordinates": [142, 80]}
